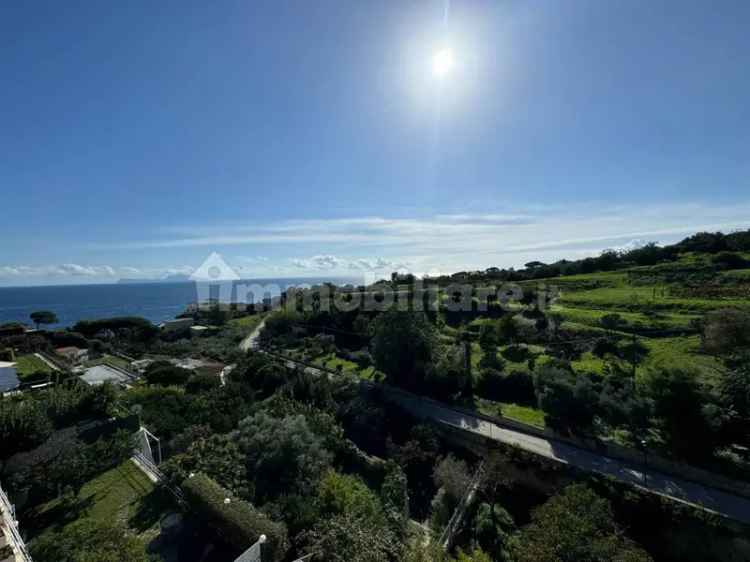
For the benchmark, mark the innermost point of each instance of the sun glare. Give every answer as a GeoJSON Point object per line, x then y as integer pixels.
{"type": "Point", "coordinates": [442, 63]}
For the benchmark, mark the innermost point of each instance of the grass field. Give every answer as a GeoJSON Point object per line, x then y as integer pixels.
{"type": "Point", "coordinates": [592, 317]}
{"type": "Point", "coordinates": [248, 323]}
{"type": "Point", "coordinates": [29, 365]}
{"type": "Point", "coordinates": [332, 361]}
{"type": "Point", "coordinates": [516, 412]}
{"type": "Point", "coordinates": [123, 495]}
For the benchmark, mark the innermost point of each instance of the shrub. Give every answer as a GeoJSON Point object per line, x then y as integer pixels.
{"type": "Point", "coordinates": [729, 260]}
{"type": "Point", "coordinates": [201, 383]}
{"type": "Point", "coordinates": [516, 353]}
{"type": "Point", "coordinates": [362, 358]}
{"type": "Point", "coordinates": [491, 384]}
{"type": "Point", "coordinates": [726, 330]}
{"type": "Point", "coordinates": [605, 346]}
{"type": "Point", "coordinates": [238, 522]}
{"type": "Point", "coordinates": [167, 375]}
{"type": "Point", "coordinates": [518, 387]}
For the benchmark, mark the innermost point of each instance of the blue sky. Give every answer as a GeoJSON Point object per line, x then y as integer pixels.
{"type": "Point", "coordinates": [300, 138]}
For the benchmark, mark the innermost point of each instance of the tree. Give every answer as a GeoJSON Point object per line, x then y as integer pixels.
{"type": "Point", "coordinates": [488, 336]}
{"type": "Point", "coordinates": [403, 346]}
{"type": "Point", "coordinates": [684, 412]}
{"type": "Point", "coordinates": [353, 539]}
{"type": "Point", "coordinates": [342, 494]}
{"type": "Point", "coordinates": [734, 387]}
{"type": "Point", "coordinates": [283, 455]}
{"type": "Point", "coordinates": [507, 329]}
{"type": "Point", "coordinates": [488, 342]}
{"type": "Point", "coordinates": [453, 476]}
{"type": "Point", "coordinates": [23, 425]}
{"type": "Point", "coordinates": [575, 525]}
{"type": "Point", "coordinates": [726, 331]}
{"type": "Point", "coordinates": [394, 494]}
{"type": "Point", "coordinates": [43, 317]}
{"type": "Point", "coordinates": [166, 374]}
{"type": "Point", "coordinates": [729, 260]}
{"type": "Point", "coordinates": [493, 526]}
{"type": "Point", "coordinates": [611, 322]}
{"type": "Point", "coordinates": [568, 401]}
{"type": "Point", "coordinates": [220, 458]}
{"type": "Point", "coordinates": [448, 376]}
{"type": "Point", "coordinates": [89, 540]}
{"type": "Point", "coordinates": [418, 457]}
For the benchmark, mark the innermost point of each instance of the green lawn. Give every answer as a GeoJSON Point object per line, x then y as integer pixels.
{"type": "Point", "coordinates": [592, 317]}
{"type": "Point", "coordinates": [29, 365]}
{"type": "Point", "coordinates": [682, 353]}
{"type": "Point", "coordinates": [664, 353]}
{"type": "Point", "coordinates": [589, 363]}
{"type": "Point", "coordinates": [332, 361]}
{"type": "Point", "coordinates": [516, 412]}
{"type": "Point", "coordinates": [248, 323]}
{"type": "Point", "coordinates": [123, 495]}
{"type": "Point", "coordinates": [637, 298]}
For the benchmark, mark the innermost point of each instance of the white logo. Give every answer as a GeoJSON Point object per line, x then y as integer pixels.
{"type": "Point", "coordinates": [214, 270]}
{"type": "Point", "coordinates": [214, 280]}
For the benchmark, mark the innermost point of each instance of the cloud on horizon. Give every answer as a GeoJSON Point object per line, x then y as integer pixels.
{"type": "Point", "coordinates": [436, 244]}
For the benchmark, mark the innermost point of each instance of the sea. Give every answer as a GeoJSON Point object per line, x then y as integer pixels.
{"type": "Point", "coordinates": [154, 301]}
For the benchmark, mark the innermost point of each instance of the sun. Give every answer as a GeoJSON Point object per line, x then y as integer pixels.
{"type": "Point", "coordinates": [443, 62]}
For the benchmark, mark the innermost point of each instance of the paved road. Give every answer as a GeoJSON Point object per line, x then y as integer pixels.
{"type": "Point", "coordinates": [724, 503]}
{"type": "Point", "coordinates": [718, 501]}
{"type": "Point", "coordinates": [252, 341]}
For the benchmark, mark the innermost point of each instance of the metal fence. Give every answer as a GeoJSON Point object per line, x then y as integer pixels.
{"type": "Point", "coordinates": [9, 516]}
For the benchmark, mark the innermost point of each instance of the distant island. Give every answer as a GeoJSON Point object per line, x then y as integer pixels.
{"type": "Point", "coordinates": [176, 278]}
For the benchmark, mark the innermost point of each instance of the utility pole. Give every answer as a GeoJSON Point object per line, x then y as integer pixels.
{"type": "Point", "coordinates": [633, 353]}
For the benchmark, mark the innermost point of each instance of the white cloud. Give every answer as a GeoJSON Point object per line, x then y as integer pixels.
{"type": "Point", "coordinates": [562, 228]}
{"type": "Point", "coordinates": [326, 262]}
{"type": "Point", "coordinates": [74, 270]}
{"type": "Point", "coordinates": [337, 263]}
{"type": "Point", "coordinates": [632, 245]}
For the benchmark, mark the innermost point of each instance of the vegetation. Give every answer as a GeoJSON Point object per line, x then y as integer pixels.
{"type": "Point", "coordinates": [575, 525]}
{"type": "Point", "coordinates": [647, 348]}
{"type": "Point", "coordinates": [43, 317]}
{"type": "Point", "coordinates": [236, 520]}
{"type": "Point", "coordinates": [30, 367]}
{"type": "Point", "coordinates": [111, 517]}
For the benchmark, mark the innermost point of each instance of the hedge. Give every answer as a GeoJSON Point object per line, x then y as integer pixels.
{"type": "Point", "coordinates": [237, 522]}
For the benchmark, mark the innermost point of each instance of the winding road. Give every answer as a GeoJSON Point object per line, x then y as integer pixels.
{"type": "Point", "coordinates": [712, 499]}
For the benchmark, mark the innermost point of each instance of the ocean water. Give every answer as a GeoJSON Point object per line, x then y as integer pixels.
{"type": "Point", "coordinates": [156, 302]}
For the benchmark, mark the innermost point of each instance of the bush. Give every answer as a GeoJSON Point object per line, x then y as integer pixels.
{"type": "Point", "coordinates": [516, 353]}
{"type": "Point", "coordinates": [89, 540]}
{"type": "Point", "coordinates": [726, 330]}
{"type": "Point", "coordinates": [201, 383]}
{"type": "Point", "coordinates": [729, 260]}
{"type": "Point", "coordinates": [518, 387]}
{"type": "Point", "coordinates": [238, 522]}
{"type": "Point", "coordinates": [605, 346]}
{"type": "Point", "coordinates": [569, 402]}
{"type": "Point", "coordinates": [167, 375]}
{"type": "Point", "coordinates": [491, 384]}
{"type": "Point", "coordinates": [362, 358]}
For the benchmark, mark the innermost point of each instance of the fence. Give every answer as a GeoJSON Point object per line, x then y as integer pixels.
{"type": "Point", "coordinates": [449, 532]}
{"type": "Point", "coordinates": [143, 453]}
{"type": "Point", "coordinates": [655, 462]}
{"type": "Point", "coordinates": [9, 516]}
